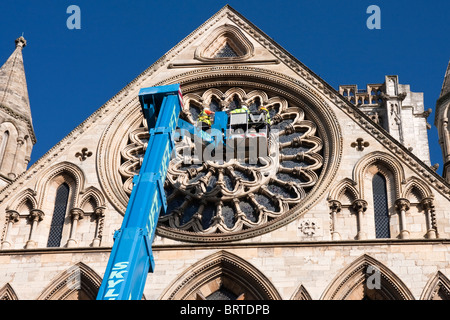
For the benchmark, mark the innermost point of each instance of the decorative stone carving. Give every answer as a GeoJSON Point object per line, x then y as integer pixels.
{"type": "Point", "coordinates": [207, 275]}
{"type": "Point", "coordinates": [225, 37]}
{"type": "Point", "coordinates": [309, 227]}
{"type": "Point", "coordinates": [349, 284]}
{"type": "Point", "coordinates": [198, 81]}
{"type": "Point", "coordinates": [84, 154]}
{"type": "Point", "coordinates": [430, 216]}
{"type": "Point", "coordinates": [262, 188]}
{"type": "Point", "coordinates": [437, 288]}
{"type": "Point", "coordinates": [202, 195]}
{"type": "Point", "coordinates": [99, 215]}
{"type": "Point", "coordinates": [360, 144]}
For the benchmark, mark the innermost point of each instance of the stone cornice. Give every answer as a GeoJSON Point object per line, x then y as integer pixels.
{"type": "Point", "coordinates": [238, 245]}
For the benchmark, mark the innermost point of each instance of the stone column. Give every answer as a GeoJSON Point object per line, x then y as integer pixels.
{"type": "Point", "coordinates": [402, 205]}
{"type": "Point", "coordinates": [12, 216]}
{"type": "Point", "coordinates": [75, 214]}
{"type": "Point", "coordinates": [99, 217]}
{"type": "Point", "coordinates": [446, 139]}
{"type": "Point", "coordinates": [335, 207]}
{"type": "Point", "coordinates": [34, 217]}
{"type": "Point", "coordinates": [19, 157]}
{"type": "Point", "coordinates": [428, 207]}
{"type": "Point", "coordinates": [360, 206]}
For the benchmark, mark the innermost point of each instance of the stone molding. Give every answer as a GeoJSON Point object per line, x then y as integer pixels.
{"type": "Point", "coordinates": [221, 264]}
{"type": "Point", "coordinates": [8, 293]}
{"type": "Point", "coordinates": [353, 275]}
{"type": "Point", "coordinates": [78, 277]}
{"type": "Point", "coordinates": [225, 34]}
{"type": "Point", "coordinates": [301, 294]}
{"type": "Point", "coordinates": [438, 282]}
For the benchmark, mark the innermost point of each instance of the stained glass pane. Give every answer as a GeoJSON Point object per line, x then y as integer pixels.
{"type": "Point", "coordinates": [380, 206]}
{"type": "Point", "coordinates": [59, 214]}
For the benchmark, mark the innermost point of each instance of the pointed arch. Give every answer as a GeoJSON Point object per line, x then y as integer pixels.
{"type": "Point", "coordinates": [25, 207]}
{"type": "Point", "coordinates": [188, 97]}
{"type": "Point", "coordinates": [61, 171]}
{"type": "Point", "coordinates": [383, 163]}
{"type": "Point", "coordinates": [415, 187]}
{"type": "Point", "coordinates": [210, 94]}
{"type": "Point", "coordinates": [27, 195]}
{"type": "Point", "coordinates": [301, 294]}
{"type": "Point", "coordinates": [92, 194]}
{"type": "Point", "coordinates": [344, 189]}
{"type": "Point", "coordinates": [351, 283]}
{"type": "Point", "coordinates": [437, 288]}
{"type": "Point", "coordinates": [255, 94]}
{"type": "Point", "coordinates": [79, 282]}
{"type": "Point", "coordinates": [221, 270]}
{"type": "Point", "coordinates": [230, 94]}
{"type": "Point", "coordinates": [8, 293]}
{"type": "Point", "coordinates": [63, 183]}
{"type": "Point", "coordinates": [226, 35]}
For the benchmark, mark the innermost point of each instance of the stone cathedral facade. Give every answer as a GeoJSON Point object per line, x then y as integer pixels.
{"type": "Point", "coordinates": [346, 204]}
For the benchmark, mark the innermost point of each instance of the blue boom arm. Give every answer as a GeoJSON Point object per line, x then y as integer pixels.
{"type": "Point", "coordinates": [131, 256]}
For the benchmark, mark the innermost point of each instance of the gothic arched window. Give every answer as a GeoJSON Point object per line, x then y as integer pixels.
{"type": "Point", "coordinates": [380, 205]}
{"type": "Point", "coordinates": [59, 214]}
{"type": "Point", "coordinates": [5, 138]}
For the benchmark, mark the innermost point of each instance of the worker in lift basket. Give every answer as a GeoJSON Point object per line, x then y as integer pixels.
{"type": "Point", "coordinates": [242, 109]}
{"type": "Point", "coordinates": [204, 118]}
{"type": "Point", "coordinates": [266, 114]}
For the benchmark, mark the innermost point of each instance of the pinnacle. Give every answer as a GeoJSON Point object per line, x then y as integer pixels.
{"type": "Point", "coordinates": [21, 42]}
{"type": "Point", "coordinates": [13, 84]}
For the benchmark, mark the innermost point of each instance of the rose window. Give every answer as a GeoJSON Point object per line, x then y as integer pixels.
{"type": "Point", "coordinates": [228, 197]}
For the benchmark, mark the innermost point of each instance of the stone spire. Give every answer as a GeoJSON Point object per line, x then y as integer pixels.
{"type": "Point", "coordinates": [13, 84]}
{"type": "Point", "coordinates": [441, 121]}
{"type": "Point", "coordinates": [16, 127]}
{"type": "Point", "coordinates": [446, 84]}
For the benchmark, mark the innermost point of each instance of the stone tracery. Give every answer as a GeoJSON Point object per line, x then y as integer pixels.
{"type": "Point", "coordinates": [225, 197]}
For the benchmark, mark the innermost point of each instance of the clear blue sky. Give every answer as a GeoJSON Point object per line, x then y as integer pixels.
{"type": "Point", "coordinates": [71, 73]}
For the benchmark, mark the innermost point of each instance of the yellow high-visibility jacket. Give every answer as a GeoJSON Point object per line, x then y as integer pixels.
{"type": "Point", "coordinates": [240, 110]}
{"type": "Point", "coordinates": [205, 118]}
{"type": "Point", "coordinates": [267, 117]}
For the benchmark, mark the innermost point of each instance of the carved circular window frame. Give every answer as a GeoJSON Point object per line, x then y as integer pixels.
{"type": "Point", "coordinates": [293, 90]}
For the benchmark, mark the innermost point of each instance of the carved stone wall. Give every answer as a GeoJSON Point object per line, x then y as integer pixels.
{"type": "Point", "coordinates": [235, 200]}
{"type": "Point", "coordinates": [296, 224]}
